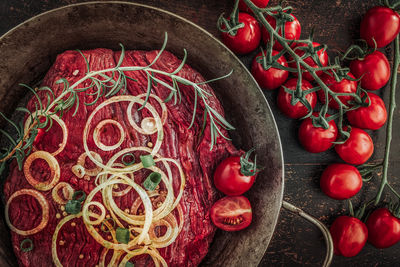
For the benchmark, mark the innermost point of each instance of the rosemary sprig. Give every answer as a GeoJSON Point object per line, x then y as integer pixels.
{"type": "Point", "coordinates": [107, 83]}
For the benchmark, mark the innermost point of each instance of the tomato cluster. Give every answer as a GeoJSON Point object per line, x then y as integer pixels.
{"type": "Point", "coordinates": [345, 92]}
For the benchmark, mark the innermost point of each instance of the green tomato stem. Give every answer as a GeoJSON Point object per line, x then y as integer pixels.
{"type": "Point", "coordinates": [392, 107]}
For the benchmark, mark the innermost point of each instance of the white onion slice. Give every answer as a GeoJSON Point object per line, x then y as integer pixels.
{"type": "Point", "coordinates": [96, 133]}
{"type": "Point", "coordinates": [67, 191]}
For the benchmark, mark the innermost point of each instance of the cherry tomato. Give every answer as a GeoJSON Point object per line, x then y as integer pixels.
{"type": "Point", "coordinates": [272, 78]}
{"type": "Point", "coordinates": [344, 86]}
{"type": "Point", "coordinates": [380, 23]}
{"type": "Point", "coordinates": [317, 139]}
{"type": "Point", "coordinates": [259, 3]}
{"type": "Point", "coordinates": [229, 179]}
{"type": "Point", "coordinates": [372, 117]}
{"type": "Point", "coordinates": [232, 213]}
{"type": "Point", "coordinates": [357, 149]}
{"type": "Point", "coordinates": [284, 99]}
{"type": "Point", "coordinates": [322, 55]}
{"type": "Point", "coordinates": [374, 69]}
{"type": "Point", "coordinates": [292, 31]}
{"type": "Point", "coordinates": [383, 228]}
{"type": "Point", "coordinates": [349, 235]}
{"type": "Point", "coordinates": [341, 181]}
{"type": "Point", "coordinates": [246, 39]}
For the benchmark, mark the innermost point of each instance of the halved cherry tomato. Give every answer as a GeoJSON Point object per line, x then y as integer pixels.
{"type": "Point", "coordinates": [272, 78]}
{"type": "Point", "coordinates": [232, 213]}
{"type": "Point", "coordinates": [374, 70]}
{"type": "Point", "coordinates": [246, 39]}
{"type": "Point", "coordinates": [372, 117]}
{"type": "Point", "coordinates": [317, 139]}
{"type": "Point", "coordinates": [229, 179]}
{"type": "Point", "coordinates": [344, 86]}
{"type": "Point", "coordinates": [322, 55]}
{"type": "Point", "coordinates": [357, 149]}
{"type": "Point", "coordinates": [381, 24]}
{"type": "Point", "coordinates": [284, 99]}
{"type": "Point", "coordinates": [292, 31]}
{"type": "Point", "coordinates": [341, 181]}
{"type": "Point", "coordinates": [383, 228]}
{"type": "Point", "coordinates": [259, 3]}
{"type": "Point", "coordinates": [349, 235]}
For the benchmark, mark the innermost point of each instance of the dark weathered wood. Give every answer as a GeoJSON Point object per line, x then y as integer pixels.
{"type": "Point", "coordinates": [336, 23]}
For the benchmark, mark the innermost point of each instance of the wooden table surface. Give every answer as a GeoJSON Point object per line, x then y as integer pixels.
{"type": "Point", "coordinates": [336, 24]}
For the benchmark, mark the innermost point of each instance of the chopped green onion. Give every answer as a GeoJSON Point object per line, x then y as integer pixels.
{"type": "Point", "coordinates": [147, 161]}
{"type": "Point", "coordinates": [129, 264]}
{"type": "Point", "coordinates": [127, 163]}
{"type": "Point", "coordinates": [102, 228]}
{"type": "Point", "coordinates": [152, 181]}
{"type": "Point", "coordinates": [23, 244]}
{"type": "Point", "coordinates": [81, 198]}
{"type": "Point", "coordinates": [122, 235]}
{"type": "Point", "coordinates": [73, 206]}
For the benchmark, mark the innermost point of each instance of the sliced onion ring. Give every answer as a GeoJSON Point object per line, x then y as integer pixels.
{"type": "Point", "coordinates": [67, 191]}
{"type": "Point", "coordinates": [78, 170]}
{"type": "Point", "coordinates": [86, 215]}
{"type": "Point", "coordinates": [96, 134]}
{"type": "Point", "coordinates": [54, 167]}
{"type": "Point", "coordinates": [82, 159]}
{"type": "Point", "coordinates": [45, 211]}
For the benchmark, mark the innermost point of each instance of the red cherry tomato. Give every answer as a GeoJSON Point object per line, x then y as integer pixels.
{"type": "Point", "coordinates": [372, 117]}
{"type": "Point", "coordinates": [259, 3]}
{"type": "Point", "coordinates": [231, 213]}
{"type": "Point", "coordinates": [383, 228]}
{"type": "Point", "coordinates": [229, 179]}
{"type": "Point", "coordinates": [349, 235]}
{"type": "Point", "coordinates": [322, 55]}
{"type": "Point", "coordinates": [344, 86]}
{"type": "Point", "coordinates": [284, 99]}
{"type": "Point", "coordinates": [357, 149]}
{"type": "Point", "coordinates": [272, 78]}
{"type": "Point", "coordinates": [341, 181]}
{"type": "Point", "coordinates": [317, 139]}
{"type": "Point", "coordinates": [380, 23]}
{"type": "Point", "coordinates": [292, 31]}
{"type": "Point", "coordinates": [374, 69]}
{"type": "Point", "coordinates": [246, 39]}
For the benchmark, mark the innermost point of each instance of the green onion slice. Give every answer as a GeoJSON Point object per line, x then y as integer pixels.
{"type": "Point", "coordinates": [81, 198]}
{"type": "Point", "coordinates": [129, 264]}
{"type": "Point", "coordinates": [73, 206]}
{"type": "Point", "coordinates": [152, 181]}
{"type": "Point", "coordinates": [127, 163]}
{"type": "Point", "coordinates": [147, 161]}
{"type": "Point", "coordinates": [26, 245]}
{"type": "Point", "coordinates": [103, 228]}
{"type": "Point", "coordinates": [122, 235]}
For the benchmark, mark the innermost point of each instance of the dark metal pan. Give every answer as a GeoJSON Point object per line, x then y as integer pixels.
{"type": "Point", "coordinates": [28, 51]}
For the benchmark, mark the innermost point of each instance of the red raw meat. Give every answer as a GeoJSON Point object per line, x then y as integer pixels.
{"type": "Point", "coordinates": [185, 145]}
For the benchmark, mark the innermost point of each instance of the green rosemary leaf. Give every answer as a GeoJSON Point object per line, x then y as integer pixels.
{"type": "Point", "coordinates": [76, 107]}
{"type": "Point", "coordinates": [86, 61]}
{"type": "Point", "coordinates": [217, 79]}
{"type": "Point", "coordinates": [221, 119]}
{"type": "Point", "coordinates": [148, 90]}
{"type": "Point", "coordinates": [2, 165]}
{"type": "Point", "coordinates": [122, 56]}
{"type": "Point", "coordinates": [35, 94]}
{"type": "Point", "coordinates": [12, 123]}
{"type": "Point", "coordinates": [8, 137]}
{"type": "Point", "coordinates": [130, 78]}
{"type": "Point", "coordinates": [169, 97]}
{"type": "Point", "coordinates": [161, 50]}
{"type": "Point", "coordinates": [182, 63]}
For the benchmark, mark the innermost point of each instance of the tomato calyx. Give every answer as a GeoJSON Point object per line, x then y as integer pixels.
{"type": "Point", "coordinates": [247, 167]}
{"type": "Point", "coordinates": [267, 60]}
{"type": "Point", "coordinates": [232, 24]}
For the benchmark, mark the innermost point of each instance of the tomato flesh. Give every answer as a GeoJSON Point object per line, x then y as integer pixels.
{"type": "Point", "coordinates": [231, 213]}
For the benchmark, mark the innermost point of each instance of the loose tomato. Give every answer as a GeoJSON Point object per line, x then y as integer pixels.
{"type": "Point", "coordinates": [230, 179]}
{"type": "Point", "coordinates": [372, 117]}
{"type": "Point", "coordinates": [383, 228]}
{"type": "Point", "coordinates": [344, 86]}
{"type": "Point", "coordinates": [232, 213]}
{"type": "Point", "coordinates": [374, 70]}
{"type": "Point", "coordinates": [292, 31]}
{"type": "Point", "coordinates": [284, 99]}
{"type": "Point", "coordinates": [259, 3]}
{"type": "Point", "coordinates": [357, 149]}
{"type": "Point", "coordinates": [349, 235]}
{"type": "Point", "coordinates": [381, 24]}
{"type": "Point", "coordinates": [322, 55]}
{"type": "Point", "coordinates": [272, 78]}
{"type": "Point", "coordinates": [246, 39]}
{"type": "Point", "coordinates": [341, 181]}
{"type": "Point", "coordinates": [317, 139]}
